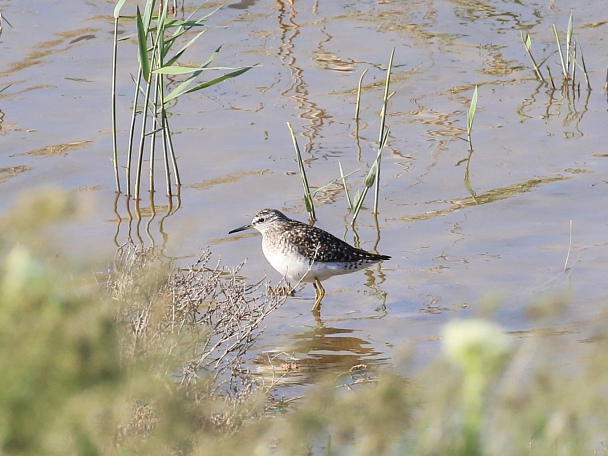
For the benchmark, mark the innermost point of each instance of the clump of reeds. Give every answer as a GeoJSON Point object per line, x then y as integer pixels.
{"type": "Point", "coordinates": [373, 175]}
{"type": "Point", "coordinates": [158, 38]}
{"type": "Point", "coordinates": [570, 57]}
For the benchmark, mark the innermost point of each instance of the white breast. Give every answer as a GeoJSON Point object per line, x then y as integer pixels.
{"type": "Point", "coordinates": [293, 267]}
{"type": "Point", "coordinates": [297, 267]}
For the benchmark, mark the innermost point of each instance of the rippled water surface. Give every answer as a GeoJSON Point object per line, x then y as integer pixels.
{"type": "Point", "coordinates": [536, 193]}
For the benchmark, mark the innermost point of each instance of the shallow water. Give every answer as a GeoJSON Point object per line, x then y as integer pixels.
{"type": "Point", "coordinates": [537, 171]}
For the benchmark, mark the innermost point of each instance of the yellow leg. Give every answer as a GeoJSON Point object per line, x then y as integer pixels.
{"type": "Point", "coordinates": [319, 293]}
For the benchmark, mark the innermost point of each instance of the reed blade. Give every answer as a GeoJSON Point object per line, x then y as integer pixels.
{"type": "Point", "coordinates": [310, 208]}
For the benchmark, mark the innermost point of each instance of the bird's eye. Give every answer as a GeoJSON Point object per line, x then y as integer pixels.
{"type": "Point", "coordinates": [261, 220]}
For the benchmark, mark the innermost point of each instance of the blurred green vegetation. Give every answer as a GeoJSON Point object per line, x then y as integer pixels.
{"type": "Point", "coordinates": [69, 385]}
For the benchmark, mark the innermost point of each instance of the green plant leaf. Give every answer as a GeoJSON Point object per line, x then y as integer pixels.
{"type": "Point", "coordinates": [371, 174]}
{"type": "Point", "coordinates": [176, 69]}
{"type": "Point", "coordinates": [143, 47]}
{"type": "Point", "coordinates": [118, 7]}
{"type": "Point", "coordinates": [178, 54]}
{"type": "Point", "coordinates": [471, 114]}
{"type": "Point", "coordinates": [528, 42]}
{"type": "Point", "coordinates": [173, 69]}
{"type": "Point", "coordinates": [561, 56]}
{"type": "Point", "coordinates": [181, 23]}
{"type": "Point", "coordinates": [177, 92]}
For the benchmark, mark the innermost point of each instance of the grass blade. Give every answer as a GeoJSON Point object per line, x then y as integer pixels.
{"type": "Point", "coordinates": [569, 49]}
{"type": "Point", "coordinates": [181, 88]}
{"type": "Point", "coordinates": [114, 121]}
{"type": "Point", "coordinates": [370, 179]}
{"type": "Point", "coordinates": [528, 45]}
{"type": "Point", "coordinates": [177, 92]}
{"type": "Point", "coordinates": [551, 78]}
{"type": "Point", "coordinates": [583, 67]}
{"type": "Point", "coordinates": [561, 56]}
{"type": "Point", "coordinates": [118, 7]}
{"type": "Point", "coordinates": [358, 102]}
{"type": "Point", "coordinates": [471, 113]}
{"type": "Point", "coordinates": [382, 138]}
{"type": "Point", "coordinates": [142, 43]}
{"type": "Point", "coordinates": [343, 178]}
{"type": "Point", "coordinates": [179, 53]}
{"type": "Point", "coordinates": [310, 208]}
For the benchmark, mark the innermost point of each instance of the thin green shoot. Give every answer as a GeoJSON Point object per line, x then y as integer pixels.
{"type": "Point", "coordinates": [467, 180]}
{"type": "Point", "coordinates": [573, 67]}
{"type": "Point", "coordinates": [383, 136]}
{"type": "Point", "coordinates": [357, 115]}
{"type": "Point", "coordinates": [551, 78]}
{"type": "Point", "coordinates": [569, 248]}
{"type": "Point", "coordinates": [528, 45]}
{"type": "Point", "coordinates": [144, 63]}
{"type": "Point", "coordinates": [159, 52]}
{"type": "Point", "coordinates": [358, 103]}
{"type": "Point", "coordinates": [310, 208]}
{"type": "Point", "coordinates": [471, 115]}
{"type": "Point", "coordinates": [561, 56]}
{"type": "Point", "coordinates": [142, 45]}
{"type": "Point", "coordinates": [569, 43]}
{"type": "Point", "coordinates": [333, 182]}
{"type": "Point", "coordinates": [3, 19]}
{"type": "Point", "coordinates": [470, 121]}
{"type": "Point", "coordinates": [117, 9]}
{"type": "Point", "coordinates": [583, 67]}
{"type": "Point", "coordinates": [372, 176]}
{"type": "Point", "coordinates": [204, 85]}
{"type": "Point", "coordinates": [134, 112]}
{"type": "Point", "coordinates": [343, 179]}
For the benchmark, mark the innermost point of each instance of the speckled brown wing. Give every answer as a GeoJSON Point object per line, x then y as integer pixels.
{"type": "Point", "coordinates": [313, 242]}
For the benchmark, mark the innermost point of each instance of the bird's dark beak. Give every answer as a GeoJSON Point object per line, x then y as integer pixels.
{"type": "Point", "coordinates": [242, 228]}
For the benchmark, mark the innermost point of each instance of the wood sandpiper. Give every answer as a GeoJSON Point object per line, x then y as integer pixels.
{"type": "Point", "coordinates": [305, 253]}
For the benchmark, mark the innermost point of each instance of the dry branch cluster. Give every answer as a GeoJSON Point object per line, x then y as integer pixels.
{"type": "Point", "coordinates": [191, 325]}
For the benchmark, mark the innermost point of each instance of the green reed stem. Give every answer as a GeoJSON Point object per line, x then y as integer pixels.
{"type": "Point", "coordinates": [166, 151]}
{"type": "Point", "coordinates": [561, 56]}
{"type": "Point", "coordinates": [178, 181]}
{"type": "Point", "coordinates": [551, 78]}
{"type": "Point", "coordinates": [584, 67]}
{"type": "Point", "coordinates": [569, 49]}
{"type": "Point", "coordinates": [117, 9]}
{"type": "Point", "coordinates": [528, 46]}
{"type": "Point", "coordinates": [358, 104]}
{"type": "Point", "coordinates": [372, 176]}
{"type": "Point", "coordinates": [132, 129]}
{"type": "Point", "coordinates": [383, 135]}
{"type": "Point", "coordinates": [307, 194]}
{"type": "Point", "coordinates": [155, 126]}
{"type": "Point", "coordinates": [343, 179]}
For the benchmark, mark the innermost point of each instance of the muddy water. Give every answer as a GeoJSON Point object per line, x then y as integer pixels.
{"type": "Point", "coordinates": [536, 189]}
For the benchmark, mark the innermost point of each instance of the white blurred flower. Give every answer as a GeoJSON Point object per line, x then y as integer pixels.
{"type": "Point", "coordinates": [475, 344]}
